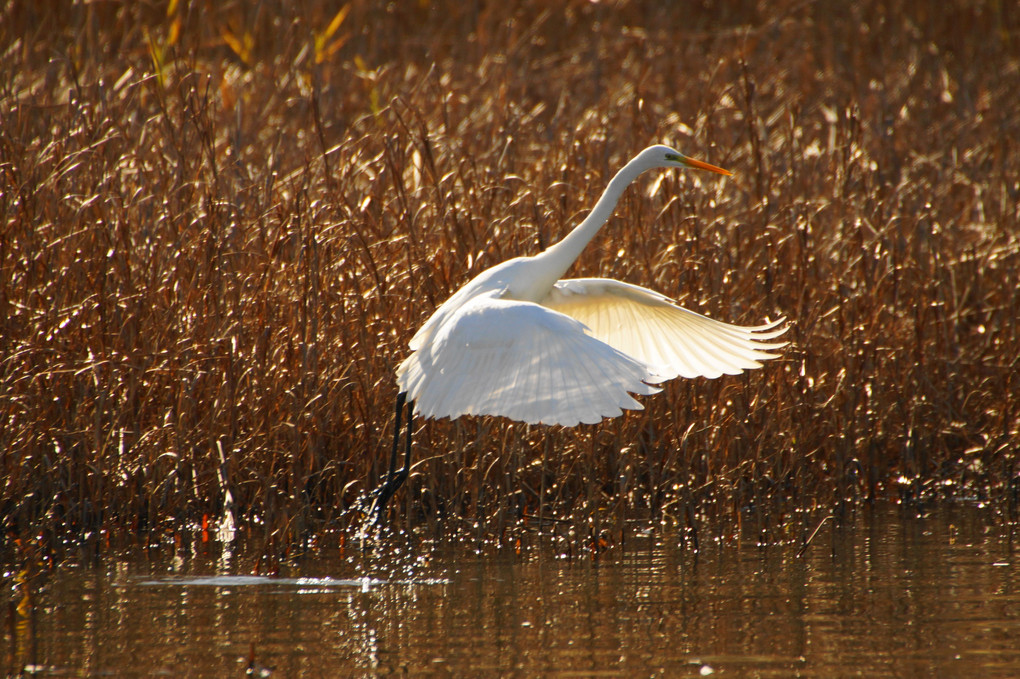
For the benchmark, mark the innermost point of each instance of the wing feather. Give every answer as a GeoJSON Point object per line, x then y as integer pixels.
{"type": "Point", "coordinates": [649, 327]}
{"type": "Point", "coordinates": [495, 356]}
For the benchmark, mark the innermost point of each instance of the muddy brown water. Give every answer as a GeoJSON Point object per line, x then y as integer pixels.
{"type": "Point", "coordinates": [895, 594]}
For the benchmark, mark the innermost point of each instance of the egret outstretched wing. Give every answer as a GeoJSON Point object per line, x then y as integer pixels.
{"type": "Point", "coordinates": [652, 329]}
{"type": "Point", "coordinates": [498, 356]}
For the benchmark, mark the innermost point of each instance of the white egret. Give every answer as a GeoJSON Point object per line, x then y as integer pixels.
{"type": "Point", "coordinates": [521, 342]}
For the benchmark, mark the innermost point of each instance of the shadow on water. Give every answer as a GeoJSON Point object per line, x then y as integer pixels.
{"type": "Point", "coordinates": [894, 595]}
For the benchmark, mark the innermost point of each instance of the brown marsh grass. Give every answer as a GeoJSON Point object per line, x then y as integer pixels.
{"type": "Point", "coordinates": [221, 222]}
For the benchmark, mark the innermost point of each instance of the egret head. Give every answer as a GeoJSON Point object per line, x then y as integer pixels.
{"type": "Point", "coordinates": [664, 156]}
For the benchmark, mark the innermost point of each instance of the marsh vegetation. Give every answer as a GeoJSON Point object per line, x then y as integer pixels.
{"type": "Point", "coordinates": [220, 224]}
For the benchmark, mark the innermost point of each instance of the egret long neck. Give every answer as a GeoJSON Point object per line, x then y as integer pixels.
{"type": "Point", "coordinates": [558, 258]}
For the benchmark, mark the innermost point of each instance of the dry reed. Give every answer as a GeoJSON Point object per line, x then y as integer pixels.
{"type": "Point", "coordinates": [222, 222]}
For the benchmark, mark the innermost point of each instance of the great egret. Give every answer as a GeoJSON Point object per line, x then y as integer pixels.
{"type": "Point", "coordinates": [521, 342]}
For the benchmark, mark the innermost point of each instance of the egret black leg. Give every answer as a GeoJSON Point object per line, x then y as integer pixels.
{"type": "Point", "coordinates": [395, 477]}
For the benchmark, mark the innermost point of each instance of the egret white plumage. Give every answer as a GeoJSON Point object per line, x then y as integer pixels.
{"type": "Point", "coordinates": [521, 342]}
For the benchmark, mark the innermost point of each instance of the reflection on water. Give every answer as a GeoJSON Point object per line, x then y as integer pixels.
{"type": "Point", "coordinates": [894, 596]}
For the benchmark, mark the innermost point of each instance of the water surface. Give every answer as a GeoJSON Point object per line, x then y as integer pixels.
{"type": "Point", "coordinates": [892, 595]}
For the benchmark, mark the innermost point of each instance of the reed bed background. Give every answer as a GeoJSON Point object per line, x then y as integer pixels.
{"type": "Point", "coordinates": [221, 223]}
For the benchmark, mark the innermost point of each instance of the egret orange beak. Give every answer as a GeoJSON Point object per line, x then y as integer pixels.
{"type": "Point", "coordinates": [691, 162]}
